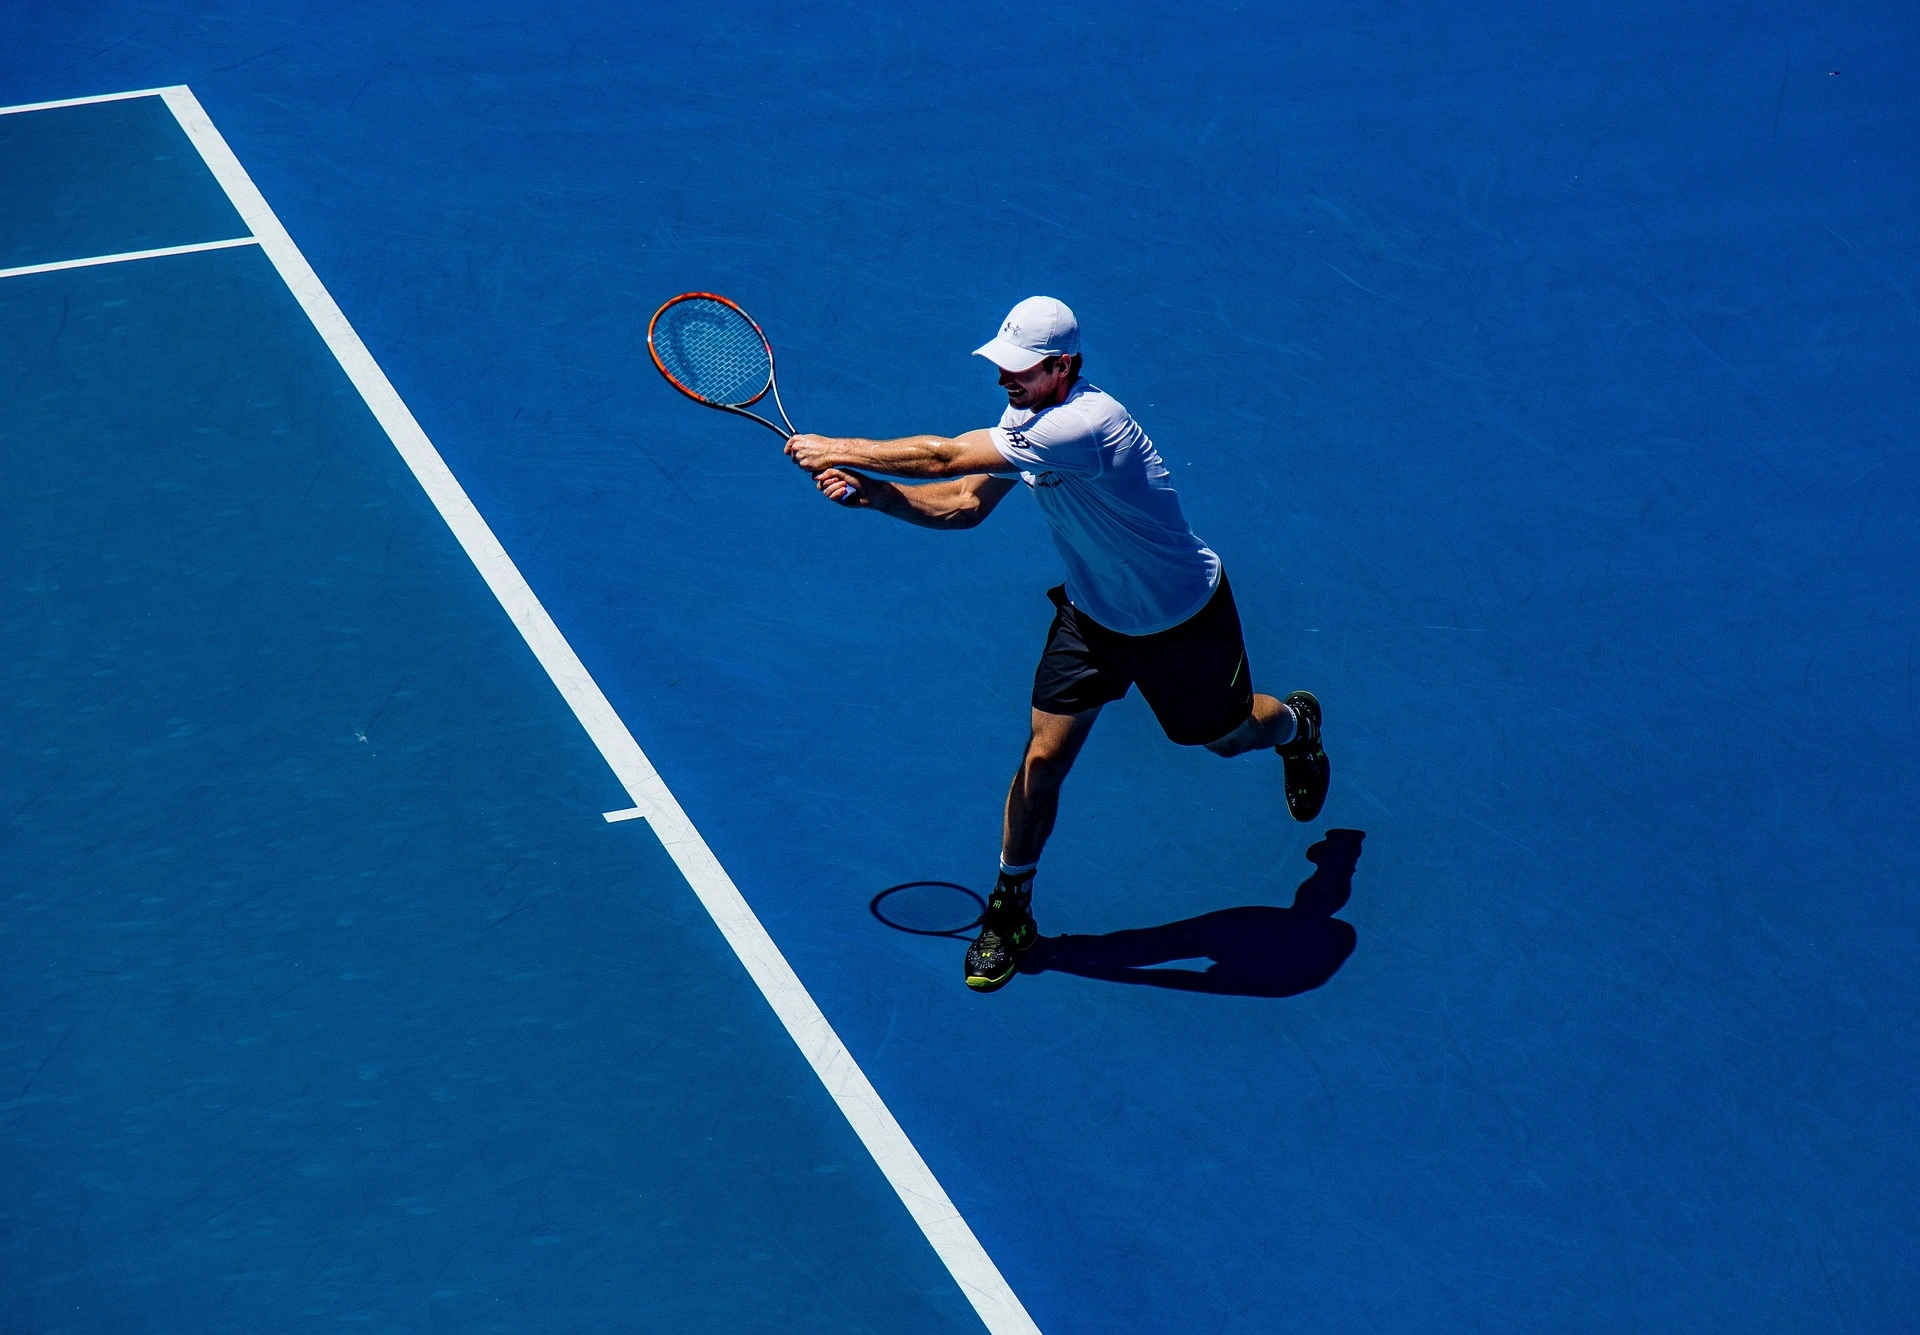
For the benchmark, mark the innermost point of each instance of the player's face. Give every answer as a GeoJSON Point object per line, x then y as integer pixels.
{"type": "Point", "coordinates": [1041, 386]}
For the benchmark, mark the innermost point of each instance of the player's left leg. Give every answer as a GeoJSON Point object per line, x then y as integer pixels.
{"type": "Point", "coordinates": [1270, 724]}
{"type": "Point", "coordinates": [1304, 759]}
{"type": "Point", "coordinates": [1198, 681]}
{"type": "Point", "coordinates": [1292, 728]}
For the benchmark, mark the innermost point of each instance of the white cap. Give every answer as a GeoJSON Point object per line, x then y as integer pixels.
{"type": "Point", "coordinates": [1038, 328]}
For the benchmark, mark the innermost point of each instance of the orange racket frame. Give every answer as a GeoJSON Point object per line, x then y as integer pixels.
{"type": "Point", "coordinates": [737, 408]}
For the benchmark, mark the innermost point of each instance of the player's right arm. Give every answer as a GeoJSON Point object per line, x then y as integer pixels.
{"type": "Point", "coordinates": [960, 502]}
{"type": "Point", "coordinates": [919, 457]}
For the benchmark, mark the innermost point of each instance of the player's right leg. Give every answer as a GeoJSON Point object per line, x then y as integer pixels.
{"type": "Point", "coordinates": [1076, 676]}
{"type": "Point", "coordinates": [1007, 927]}
{"type": "Point", "coordinates": [1033, 799]}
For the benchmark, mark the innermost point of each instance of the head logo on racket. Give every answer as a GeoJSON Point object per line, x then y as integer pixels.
{"type": "Point", "coordinates": [714, 353]}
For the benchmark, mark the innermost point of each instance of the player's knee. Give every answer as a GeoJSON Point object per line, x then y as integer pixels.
{"type": "Point", "coordinates": [1241, 740]}
{"type": "Point", "coordinates": [1044, 766]}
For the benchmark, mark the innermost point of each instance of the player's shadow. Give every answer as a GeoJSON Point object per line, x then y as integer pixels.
{"type": "Point", "coordinates": [1257, 950]}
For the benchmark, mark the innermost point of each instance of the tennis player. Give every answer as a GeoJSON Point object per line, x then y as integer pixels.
{"type": "Point", "coordinates": [1145, 601]}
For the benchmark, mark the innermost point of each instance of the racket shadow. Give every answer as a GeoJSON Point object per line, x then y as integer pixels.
{"type": "Point", "coordinates": [1258, 950]}
{"type": "Point", "coordinates": [930, 908]}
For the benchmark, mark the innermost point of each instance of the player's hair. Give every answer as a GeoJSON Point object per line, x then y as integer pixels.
{"type": "Point", "coordinates": [1072, 357]}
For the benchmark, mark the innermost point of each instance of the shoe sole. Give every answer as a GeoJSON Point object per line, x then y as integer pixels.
{"type": "Point", "coordinates": [1308, 775]}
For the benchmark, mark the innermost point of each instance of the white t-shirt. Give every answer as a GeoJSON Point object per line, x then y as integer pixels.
{"type": "Point", "coordinates": [1133, 565]}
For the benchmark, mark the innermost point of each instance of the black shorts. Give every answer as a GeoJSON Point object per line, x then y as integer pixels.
{"type": "Point", "coordinates": [1194, 675]}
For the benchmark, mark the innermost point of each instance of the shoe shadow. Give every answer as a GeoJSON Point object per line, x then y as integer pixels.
{"type": "Point", "coordinates": [1257, 950]}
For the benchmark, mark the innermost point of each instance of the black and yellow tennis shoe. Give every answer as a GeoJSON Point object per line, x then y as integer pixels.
{"type": "Point", "coordinates": [1307, 770]}
{"type": "Point", "coordinates": [1006, 930]}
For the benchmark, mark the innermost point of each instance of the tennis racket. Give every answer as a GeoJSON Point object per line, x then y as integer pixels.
{"type": "Point", "coordinates": [712, 351]}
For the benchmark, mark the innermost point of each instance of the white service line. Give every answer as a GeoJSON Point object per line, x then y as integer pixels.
{"type": "Point", "coordinates": [126, 255]}
{"type": "Point", "coordinates": [979, 1279]}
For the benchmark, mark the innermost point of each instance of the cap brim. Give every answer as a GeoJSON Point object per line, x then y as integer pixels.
{"type": "Point", "coordinates": [1010, 356]}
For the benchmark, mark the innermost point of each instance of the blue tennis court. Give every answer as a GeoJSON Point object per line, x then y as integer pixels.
{"type": "Point", "coordinates": [455, 784]}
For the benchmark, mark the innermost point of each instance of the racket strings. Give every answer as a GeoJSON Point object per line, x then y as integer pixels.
{"type": "Point", "coordinates": [713, 351]}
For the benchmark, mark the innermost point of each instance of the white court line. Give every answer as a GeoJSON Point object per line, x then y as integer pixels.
{"type": "Point", "coordinates": [979, 1279]}
{"type": "Point", "coordinates": [83, 101]}
{"type": "Point", "coordinates": [126, 255]}
{"type": "Point", "coordinates": [631, 813]}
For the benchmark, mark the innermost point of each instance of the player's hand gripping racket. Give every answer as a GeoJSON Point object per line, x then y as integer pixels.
{"type": "Point", "coordinates": [712, 351]}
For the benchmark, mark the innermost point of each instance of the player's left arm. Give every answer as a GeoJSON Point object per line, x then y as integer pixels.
{"type": "Point", "coordinates": [920, 457]}
{"type": "Point", "coordinates": [956, 503]}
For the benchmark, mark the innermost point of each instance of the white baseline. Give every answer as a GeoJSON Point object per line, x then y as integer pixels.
{"type": "Point", "coordinates": [82, 101]}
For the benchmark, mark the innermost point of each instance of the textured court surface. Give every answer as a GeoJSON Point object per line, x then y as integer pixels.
{"type": "Point", "coordinates": [1547, 383]}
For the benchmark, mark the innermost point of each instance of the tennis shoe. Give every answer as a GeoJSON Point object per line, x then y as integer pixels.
{"type": "Point", "coordinates": [1305, 760]}
{"type": "Point", "coordinates": [1007, 930]}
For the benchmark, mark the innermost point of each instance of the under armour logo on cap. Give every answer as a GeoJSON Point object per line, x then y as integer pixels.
{"type": "Point", "coordinates": [1038, 328]}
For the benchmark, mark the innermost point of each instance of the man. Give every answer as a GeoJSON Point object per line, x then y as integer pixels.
{"type": "Point", "coordinates": [1144, 600]}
